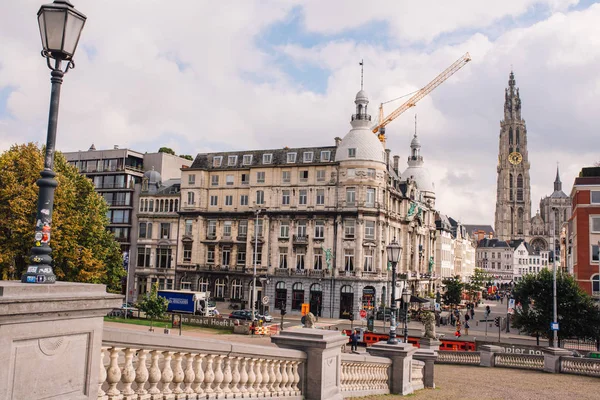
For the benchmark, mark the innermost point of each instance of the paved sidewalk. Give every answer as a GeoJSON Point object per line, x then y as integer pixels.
{"type": "Point", "coordinates": [479, 383]}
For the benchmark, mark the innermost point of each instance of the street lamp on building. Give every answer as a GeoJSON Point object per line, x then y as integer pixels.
{"type": "Point", "coordinates": [393, 253]}
{"type": "Point", "coordinates": [60, 27]}
{"type": "Point", "coordinates": [406, 294]}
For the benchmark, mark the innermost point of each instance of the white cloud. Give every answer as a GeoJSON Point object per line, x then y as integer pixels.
{"type": "Point", "coordinates": [193, 78]}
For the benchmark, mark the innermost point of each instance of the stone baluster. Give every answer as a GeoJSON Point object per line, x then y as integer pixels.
{"type": "Point", "coordinates": [102, 375]}
{"type": "Point", "coordinates": [259, 379]}
{"type": "Point", "coordinates": [141, 374]}
{"type": "Point", "coordinates": [219, 375]}
{"type": "Point", "coordinates": [343, 375]}
{"type": "Point", "coordinates": [265, 378]}
{"type": "Point", "coordinates": [251, 378]}
{"type": "Point", "coordinates": [189, 375]}
{"type": "Point", "coordinates": [128, 376]}
{"type": "Point", "coordinates": [167, 375]}
{"type": "Point", "coordinates": [155, 376]}
{"type": "Point", "coordinates": [244, 376]}
{"type": "Point", "coordinates": [357, 376]}
{"type": "Point", "coordinates": [283, 390]}
{"type": "Point", "coordinates": [295, 388]}
{"type": "Point", "coordinates": [378, 377]}
{"type": "Point", "coordinates": [178, 374]}
{"type": "Point", "coordinates": [277, 371]}
{"type": "Point", "coordinates": [113, 373]}
{"type": "Point", "coordinates": [350, 379]}
{"type": "Point", "coordinates": [227, 377]}
{"type": "Point", "coordinates": [235, 376]}
{"type": "Point", "coordinates": [209, 375]}
{"type": "Point", "coordinates": [199, 375]}
{"type": "Point", "coordinates": [290, 374]}
{"type": "Point", "coordinates": [370, 377]}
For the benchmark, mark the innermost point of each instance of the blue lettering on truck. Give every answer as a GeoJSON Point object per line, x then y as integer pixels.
{"type": "Point", "coordinates": [179, 302]}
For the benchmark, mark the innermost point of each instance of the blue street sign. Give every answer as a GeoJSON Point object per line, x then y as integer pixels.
{"type": "Point", "coordinates": [554, 326]}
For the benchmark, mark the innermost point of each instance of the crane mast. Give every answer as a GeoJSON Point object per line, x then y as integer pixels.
{"type": "Point", "coordinates": [438, 80]}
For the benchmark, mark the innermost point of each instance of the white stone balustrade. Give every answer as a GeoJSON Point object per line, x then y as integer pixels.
{"type": "Point", "coordinates": [416, 375]}
{"type": "Point", "coordinates": [364, 375]}
{"type": "Point", "coordinates": [458, 357]}
{"type": "Point", "coordinates": [522, 361]}
{"type": "Point", "coordinates": [580, 366]}
{"type": "Point", "coordinates": [200, 370]}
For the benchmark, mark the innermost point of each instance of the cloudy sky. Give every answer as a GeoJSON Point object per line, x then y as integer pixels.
{"type": "Point", "coordinates": [202, 76]}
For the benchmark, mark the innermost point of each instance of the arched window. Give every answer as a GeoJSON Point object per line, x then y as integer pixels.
{"type": "Point", "coordinates": [141, 205]}
{"type": "Point", "coordinates": [160, 205]}
{"type": "Point", "coordinates": [176, 205]}
{"type": "Point", "coordinates": [511, 187]}
{"type": "Point", "coordinates": [280, 295]}
{"type": "Point", "coordinates": [203, 284]}
{"type": "Point", "coordinates": [595, 285]}
{"type": "Point", "coordinates": [347, 289]}
{"type": "Point", "coordinates": [316, 287]}
{"type": "Point", "coordinates": [171, 205]}
{"type": "Point", "coordinates": [236, 289]}
{"type": "Point", "coordinates": [220, 288]}
{"type": "Point", "coordinates": [151, 208]}
{"type": "Point", "coordinates": [519, 187]}
{"type": "Point", "coordinates": [510, 136]}
{"type": "Point", "coordinates": [297, 296]}
{"type": "Point", "coordinates": [520, 221]}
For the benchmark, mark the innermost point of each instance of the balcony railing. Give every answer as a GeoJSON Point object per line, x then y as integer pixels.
{"type": "Point", "coordinates": [241, 238]}
{"type": "Point", "coordinates": [298, 239]}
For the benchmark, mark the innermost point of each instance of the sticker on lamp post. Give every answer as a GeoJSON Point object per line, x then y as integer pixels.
{"type": "Point", "coordinates": [554, 326]}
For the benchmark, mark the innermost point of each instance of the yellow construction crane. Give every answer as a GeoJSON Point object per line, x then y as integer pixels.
{"type": "Point", "coordinates": [419, 94]}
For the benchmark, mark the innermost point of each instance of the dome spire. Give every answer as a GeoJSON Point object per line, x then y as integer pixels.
{"type": "Point", "coordinates": [362, 66]}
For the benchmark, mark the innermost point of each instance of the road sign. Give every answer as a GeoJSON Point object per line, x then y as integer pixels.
{"type": "Point", "coordinates": [265, 300]}
{"type": "Point", "coordinates": [363, 314]}
{"type": "Point", "coordinates": [554, 326]}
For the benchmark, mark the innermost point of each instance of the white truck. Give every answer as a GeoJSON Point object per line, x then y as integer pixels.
{"type": "Point", "coordinates": [186, 301]}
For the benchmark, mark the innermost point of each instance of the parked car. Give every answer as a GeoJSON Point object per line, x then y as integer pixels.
{"type": "Point", "coordinates": [241, 314]}
{"type": "Point", "coordinates": [266, 317]}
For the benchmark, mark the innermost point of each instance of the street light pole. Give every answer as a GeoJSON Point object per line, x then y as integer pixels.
{"type": "Point", "coordinates": [254, 271]}
{"type": "Point", "coordinates": [406, 294]}
{"type": "Point", "coordinates": [60, 28]}
{"type": "Point", "coordinates": [555, 313]}
{"type": "Point", "coordinates": [393, 252]}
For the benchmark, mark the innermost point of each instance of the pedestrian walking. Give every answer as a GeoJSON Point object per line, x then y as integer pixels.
{"type": "Point", "coordinates": [354, 339]}
{"type": "Point", "coordinates": [458, 326]}
{"type": "Point", "coordinates": [472, 313]}
{"type": "Point", "coordinates": [467, 318]}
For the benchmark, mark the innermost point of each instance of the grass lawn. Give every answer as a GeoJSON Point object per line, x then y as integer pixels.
{"type": "Point", "coordinates": [160, 324]}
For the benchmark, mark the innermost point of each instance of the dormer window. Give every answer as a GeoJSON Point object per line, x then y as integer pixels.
{"type": "Point", "coordinates": [352, 153]}
{"type": "Point", "coordinates": [308, 156]}
{"type": "Point", "coordinates": [291, 158]}
{"type": "Point", "coordinates": [267, 158]}
{"type": "Point", "coordinates": [232, 161]}
{"type": "Point", "coordinates": [325, 156]}
{"type": "Point", "coordinates": [247, 159]}
{"type": "Point", "coordinates": [217, 161]}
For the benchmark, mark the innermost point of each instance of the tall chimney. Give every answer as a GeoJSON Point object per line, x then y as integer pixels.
{"type": "Point", "coordinates": [387, 158]}
{"type": "Point", "coordinates": [338, 140]}
{"type": "Point", "coordinates": [396, 160]}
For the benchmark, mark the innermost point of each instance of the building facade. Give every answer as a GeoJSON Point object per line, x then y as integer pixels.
{"type": "Point", "coordinates": [314, 222]}
{"type": "Point", "coordinates": [513, 196]}
{"type": "Point", "coordinates": [583, 232]}
{"type": "Point", "coordinates": [495, 257]}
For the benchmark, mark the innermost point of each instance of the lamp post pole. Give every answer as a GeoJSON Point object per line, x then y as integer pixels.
{"type": "Point", "coordinates": [60, 28]}
{"type": "Point", "coordinates": [393, 252]}
{"type": "Point", "coordinates": [404, 296]}
{"type": "Point", "coordinates": [255, 261]}
{"type": "Point", "coordinates": [555, 312]}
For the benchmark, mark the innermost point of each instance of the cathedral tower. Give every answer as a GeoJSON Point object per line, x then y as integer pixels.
{"type": "Point", "coordinates": [513, 195]}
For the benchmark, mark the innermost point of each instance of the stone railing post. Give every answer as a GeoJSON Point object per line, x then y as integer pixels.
{"type": "Point", "coordinates": [322, 371]}
{"type": "Point", "coordinates": [53, 333]}
{"type": "Point", "coordinates": [552, 358]}
{"type": "Point", "coordinates": [429, 344]}
{"type": "Point", "coordinates": [428, 356]}
{"type": "Point", "coordinates": [487, 354]}
{"type": "Point", "coordinates": [401, 355]}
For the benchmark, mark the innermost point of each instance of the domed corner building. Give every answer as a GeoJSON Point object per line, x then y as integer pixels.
{"type": "Point", "coordinates": [326, 215]}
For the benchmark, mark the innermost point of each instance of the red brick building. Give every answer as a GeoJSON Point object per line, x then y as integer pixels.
{"type": "Point", "coordinates": [583, 231]}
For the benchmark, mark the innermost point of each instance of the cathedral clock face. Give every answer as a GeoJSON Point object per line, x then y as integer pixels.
{"type": "Point", "coordinates": [515, 158]}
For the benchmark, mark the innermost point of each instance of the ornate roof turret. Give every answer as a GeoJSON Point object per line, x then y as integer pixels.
{"type": "Point", "coordinates": [557, 182]}
{"type": "Point", "coordinates": [512, 99]}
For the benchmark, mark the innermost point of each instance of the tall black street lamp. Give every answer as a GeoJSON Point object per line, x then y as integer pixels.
{"type": "Point", "coordinates": [60, 27]}
{"type": "Point", "coordinates": [393, 253]}
{"type": "Point", "coordinates": [406, 295]}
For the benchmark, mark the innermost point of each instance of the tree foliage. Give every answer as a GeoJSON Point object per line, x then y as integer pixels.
{"type": "Point", "coordinates": [153, 305]}
{"type": "Point", "coordinates": [82, 249]}
{"type": "Point", "coordinates": [167, 150]}
{"type": "Point", "coordinates": [578, 316]}
{"type": "Point", "coordinates": [187, 157]}
{"type": "Point", "coordinates": [476, 283]}
{"type": "Point", "coordinates": [453, 293]}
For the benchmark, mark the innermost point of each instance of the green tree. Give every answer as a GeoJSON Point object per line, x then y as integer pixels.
{"type": "Point", "coordinates": [187, 157]}
{"type": "Point", "coordinates": [578, 316]}
{"type": "Point", "coordinates": [453, 293]}
{"type": "Point", "coordinates": [167, 150]}
{"type": "Point", "coordinates": [153, 305]}
{"type": "Point", "coordinates": [82, 249]}
{"type": "Point", "coordinates": [476, 283]}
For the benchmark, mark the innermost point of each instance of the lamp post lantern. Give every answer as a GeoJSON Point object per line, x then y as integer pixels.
{"type": "Point", "coordinates": [393, 254]}
{"type": "Point", "coordinates": [406, 294]}
{"type": "Point", "coordinates": [60, 28]}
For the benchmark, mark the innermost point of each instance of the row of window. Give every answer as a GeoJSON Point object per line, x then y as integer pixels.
{"type": "Point", "coordinates": [118, 216]}
{"type": "Point", "coordinates": [145, 230]}
{"type": "Point", "coordinates": [291, 157]}
{"type": "Point", "coordinates": [113, 181]}
{"type": "Point", "coordinates": [160, 205]}
{"type": "Point", "coordinates": [162, 259]}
